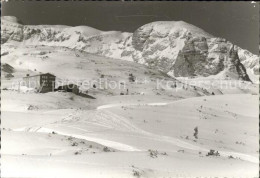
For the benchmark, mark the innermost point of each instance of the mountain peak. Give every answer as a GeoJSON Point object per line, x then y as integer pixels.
{"type": "Point", "coordinates": [12, 19]}
{"type": "Point", "coordinates": [176, 26]}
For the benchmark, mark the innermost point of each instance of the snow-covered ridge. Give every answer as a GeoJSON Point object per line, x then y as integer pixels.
{"type": "Point", "coordinates": [158, 45]}
{"type": "Point", "coordinates": [10, 19]}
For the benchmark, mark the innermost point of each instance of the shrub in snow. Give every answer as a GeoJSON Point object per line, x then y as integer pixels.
{"type": "Point", "coordinates": [240, 143]}
{"type": "Point", "coordinates": [31, 107]}
{"type": "Point", "coordinates": [230, 157]}
{"type": "Point", "coordinates": [153, 153]}
{"type": "Point", "coordinates": [74, 144]}
{"type": "Point", "coordinates": [136, 173]}
{"type": "Point", "coordinates": [196, 132]}
{"type": "Point", "coordinates": [42, 53]}
{"type": "Point", "coordinates": [106, 149]}
{"type": "Point", "coordinates": [70, 138]}
{"type": "Point", "coordinates": [164, 153]}
{"type": "Point", "coordinates": [182, 151]}
{"type": "Point", "coordinates": [213, 153]}
{"type": "Point", "coordinates": [131, 78]}
{"type": "Point", "coordinates": [77, 153]}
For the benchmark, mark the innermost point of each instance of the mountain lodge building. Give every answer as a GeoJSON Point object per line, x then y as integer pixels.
{"type": "Point", "coordinates": [42, 82]}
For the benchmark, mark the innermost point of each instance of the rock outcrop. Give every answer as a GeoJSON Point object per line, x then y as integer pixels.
{"type": "Point", "coordinates": [184, 50]}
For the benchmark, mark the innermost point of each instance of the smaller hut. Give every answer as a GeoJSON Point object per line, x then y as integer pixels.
{"type": "Point", "coordinates": [69, 88]}
{"type": "Point", "coordinates": [73, 89]}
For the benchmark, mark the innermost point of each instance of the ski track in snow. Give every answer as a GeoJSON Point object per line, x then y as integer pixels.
{"type": "Point", "coordinates": [179, 142]}
{"type": "Point", "coordinates": [141, 104]}
{"type": "Point", "coordinates": [130, 104]}
{"type": "Point", "coordinates": [109, 120]}
{"type": "Point", "coordinates": [112, 144]}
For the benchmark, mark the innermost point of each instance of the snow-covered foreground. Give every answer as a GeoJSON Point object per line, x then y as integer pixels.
{"type": "Point", "coordinates": [128, 138]}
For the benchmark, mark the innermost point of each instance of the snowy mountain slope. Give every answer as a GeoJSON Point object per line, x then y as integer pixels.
{"type": "Point", "coordinates": [80, 37]}
{"type": "Point", "coordinates": [173, 47]}
{"type": "Point", "coordinates": [251, 63]}
{"type": "Point", "coordinates": [111, 76]}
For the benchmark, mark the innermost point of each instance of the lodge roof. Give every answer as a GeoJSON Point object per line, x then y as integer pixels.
{"type": "Point", "coordinates": [39, 75]}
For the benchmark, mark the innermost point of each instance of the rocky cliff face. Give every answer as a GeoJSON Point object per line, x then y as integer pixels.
{"type": "Point", "coordinates": [173, 47]}
{"type": "Point", "coordinates": [192, 59]}
{"type": "Point", "coordinates": [196, 59]}
{"type": "Point", "coordinates": [11, 30]}
{"type": "Point", "coordinates": [234, 65]}
{"type": "Point", "coordinates": [158, 44]}
{"type": "Point", "coordinates": [184, 50]}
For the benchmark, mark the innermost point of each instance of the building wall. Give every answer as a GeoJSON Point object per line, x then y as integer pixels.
{"type": "Point", "coordinates": [69, 88]}
{"type": "Point", "coordinates": [32, 82]}
{"type": "Point", "coordinates": [42, 83]}
{"type": "Point", "coordinates": [47, 83]}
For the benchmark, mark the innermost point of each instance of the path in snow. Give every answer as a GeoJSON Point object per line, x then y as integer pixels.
{"type": "Point", "coordinates": [108, 143]}
{"type": "Point", "coordinates": [176, 141]}
{"type": "Point", "coordinates": [110, 120]}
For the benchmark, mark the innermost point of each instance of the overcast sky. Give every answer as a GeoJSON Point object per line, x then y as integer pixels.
{"type": "Point", "coordinates": [235, 21]}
